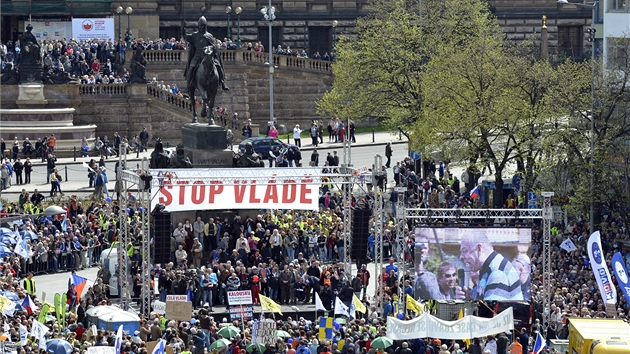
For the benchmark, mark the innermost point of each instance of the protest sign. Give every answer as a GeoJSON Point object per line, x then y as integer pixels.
{"type": "Point", "coordinates": [178, 310]}
{"type": "Point", "coordinates": [266, 332]}
{"type": "Point", "coordinates": [101, 350]}
{"type": "Point", "coordinates": [151, 346]}
{"type": "Point", "coordinates": [176, 298]}
{"type": "Point", "coordinates": [159, 307]}
{"type": "Point", "coordinates": [242, 297]}
{"type": "Point", "coordinates": [241, 313]}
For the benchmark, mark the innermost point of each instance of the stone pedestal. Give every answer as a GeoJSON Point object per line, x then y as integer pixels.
{"type": "Point", "coordinates": [30, 73]}
{"type": "Point", "coordinates": [31, 95]}
{"type": "Point", "coordinates": [205, 146]}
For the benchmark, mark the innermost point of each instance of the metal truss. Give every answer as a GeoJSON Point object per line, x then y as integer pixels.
{"type": "Point", "coordinates": [546, 258]}
{"type": "Point", "coordinates": [123, 234]}
{"type": "Point", "coordinates": [463, 214]}
{"type": "Point", "coordinates": [347, 186]}
{"type": "Point", "coordinates": [378, 234]}
{"type": "Point", "coordinates": [401, 243]}
{"type": "Point", "coordinates": [144, 199]}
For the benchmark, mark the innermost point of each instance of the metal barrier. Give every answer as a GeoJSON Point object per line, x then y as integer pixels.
{"type": "Point", "coordinates": [64, 261]}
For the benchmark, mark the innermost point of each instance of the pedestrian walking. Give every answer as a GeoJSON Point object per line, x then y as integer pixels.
{"type": "Point", "coordinates": [296, 135]}
{"type": "Point", "coordinates": [388, 154]}
{"type": "Point", "coordinates": [28, 168]}
{"type": "Point", "coordinates": [18, 168]}
{"type": "Point", "coordinates": [55, 182]}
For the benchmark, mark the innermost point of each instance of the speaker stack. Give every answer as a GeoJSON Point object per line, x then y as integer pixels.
{"type": "Point", "coordinates": [360, 233]}
{"type": "Point", "coordinates": [162, 232]}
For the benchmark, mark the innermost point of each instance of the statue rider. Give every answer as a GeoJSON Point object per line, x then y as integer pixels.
{"type": "Point", "coordinates": [197, 41]}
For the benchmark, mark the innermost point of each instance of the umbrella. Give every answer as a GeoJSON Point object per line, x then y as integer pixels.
{"type": "Point", "coordinates": [261, 347]}
{"type": "Point", "coordinates": [29, 235]}
{"type": "Point", "coordinates": [220, 343]}
{"type": "Point", "coordinates": [382, 343]}
{"type": "Point", "coordinates": [283, 334]}
{"type": "Point", "coordinates": [58, 346]}
{"type": "Point", "coordinates": [229, 331]}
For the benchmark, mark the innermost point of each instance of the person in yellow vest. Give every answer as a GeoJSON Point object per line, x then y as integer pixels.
{"type": "Point", "coordinates": [29, 284]}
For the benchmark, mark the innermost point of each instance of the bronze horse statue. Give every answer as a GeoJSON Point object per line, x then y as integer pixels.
{"type": "Point", "coordinates": [206, 81]}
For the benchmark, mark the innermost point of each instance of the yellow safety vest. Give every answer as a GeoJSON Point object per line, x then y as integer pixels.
{"type": "Point", "coordinates": [29, 284]}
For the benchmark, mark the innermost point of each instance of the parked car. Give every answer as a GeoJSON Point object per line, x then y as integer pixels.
{"type": "Point", "coordinates": [262, 145]}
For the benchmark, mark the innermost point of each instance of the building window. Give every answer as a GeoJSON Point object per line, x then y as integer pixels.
{"type": "Point", "coordinates": [618, 5]}
{"type": "Point", "coordinates": [570, 42]}
{"type": "Point", "coordinates": [617, 53]}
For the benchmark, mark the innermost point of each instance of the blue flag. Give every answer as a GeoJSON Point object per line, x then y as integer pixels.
{"type": "Point", "coordinates": [621, 274]}
{"type": "Point", "coordinates": [540, 344]}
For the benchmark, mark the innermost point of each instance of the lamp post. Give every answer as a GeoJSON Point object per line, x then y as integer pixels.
{"type": "Point", "coordinates": [128, 11]}
{"type": "Point", "coordinates": [305, 30]}
{"type": "Point", "coordinates": [334, 26]}
{"type": "Point", "coordinates": [269, 13]}
{"type": "Point", "coordinates": [238, 21]}
{"type": "Point", "coordinates": [119, 11]}
{"type": "Point", "coordinates": [593, 7]}
{"type": "Point", "coordinates": [228, 11]}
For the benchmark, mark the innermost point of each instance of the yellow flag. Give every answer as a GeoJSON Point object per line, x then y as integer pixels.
{"type": "Point", "coordinates": [358, 305]}
{"type": "Point", "coordinates": [4, 302]}
{"type": "Point", "coordinates": [269, 305]}
{"type": "Point", "coordinates": [413, 305]}
{"type": "Point", "coordinates": [461, 315]}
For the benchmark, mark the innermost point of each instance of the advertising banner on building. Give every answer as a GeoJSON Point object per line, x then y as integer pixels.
{"type": "Point", "coordinates": [260, 188]}
{"type": "Point", "coordinates": [433, 327]}
{"type": "Point", "coordinates": [50, 30]}
{"type": "Point", "coordinates": [472, 263]}
{"type": "Point", "coordinates": [87, 29]}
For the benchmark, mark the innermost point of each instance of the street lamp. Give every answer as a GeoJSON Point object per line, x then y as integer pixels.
{"type": "Point", "coordinates": [593, 7]}
{"type": "Point", "coordinates": [238, 17]}
{"type": "Point", "coordinates": [119, 11]}
{"type": "Point", "coordinates": [128, 11]}
{"type": "Point", "coordinates": [334, 26]}
{"type": "Point", "coordinates": [305, 31]}
{"type": "Point", "coordinates": [269, 14]}
{"type": "Point", "coordinates": [228, 11]}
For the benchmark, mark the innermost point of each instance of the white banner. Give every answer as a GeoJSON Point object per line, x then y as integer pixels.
{"type": "Point", "coordinates": [51, 29]}
{"type": "Point", "coordinates": [600, 269]}
{"type": "Point", "coordinates": [101, 350]}
{"type": "Point", "coordinates": [207, 189]}
{"type": "Point", "coordinates": [183, 298]}
{"type": "Point", "coordinates": [242, 297]}
{"type": "Point", "coordinates": [465, 328]}
{"type": "Point", "coordinates": [266, 332]}
{"type": "Point", "coordinates": [159, 307]}
{"type": "Point", "coordinates": [92, 28]}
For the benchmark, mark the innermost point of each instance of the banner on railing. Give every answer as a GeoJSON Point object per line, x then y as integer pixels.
{"type": "Point", "coordinates": [464, 328]}
{"type": "Point", "coordinates": [92, 28]}
{"type": "Point", "coordinates": [211, 189]}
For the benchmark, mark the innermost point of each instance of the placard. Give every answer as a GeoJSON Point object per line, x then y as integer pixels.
{"type": "Point", "coordinates": [241, 313]}
{"type": "Point", "coordinates": [9, 347]}
{"type": "Point", "coordinates": [178, 310]}
{"type": "Point", "coordinates": [151, 346]}
{"type": "Point", "coordinates": [101, 350]}
{"type": "Point", "coordinates": [261, 188]}
{"type": "Point", "coordinates": [241, 297]}
{"type": "Point", "coordinates": [176, 298]}
{"type": "Point", "coordinates": [92, 28]}
{"type": "Point", "coordinates": [266, 332]}
{"type": "Point", "coordinates": [159, 307]}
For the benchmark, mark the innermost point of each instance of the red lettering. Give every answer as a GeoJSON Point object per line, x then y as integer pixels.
{"type": "Point", "coordinates": [239, 192]}
{"type": "Point", "coordinates": [198, 191]}
{"type": "Point", "coordinates": [304, 190]}
{"type": "Point", "coordinates": [182, 191]}
{"type": "Point", "coordinates": [252, 193]}
{"type": "Point", "coordinates": [271, 194]}
{"type": "Point", "coordinates": [165, 196]}
{"type": "Point", "coordinates": [216, 188]}
{"type": "Point", "coordinates": [288, 196]}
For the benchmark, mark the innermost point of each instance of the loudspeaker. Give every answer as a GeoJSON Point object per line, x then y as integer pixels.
{"type": "Point", "coordinates": [360, 233]}
{"type": "Point", "coordinates": [162, 237]}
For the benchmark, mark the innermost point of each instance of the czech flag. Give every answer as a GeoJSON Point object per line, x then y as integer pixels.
{"type": "Point", "coordinates": [540, 344]}
{"type": "Point", "coordinates": [474, 193]}
{"type": "Point", "coordinates": [29, 305]}
{"type": "Point", "coordinates": [79, 283]}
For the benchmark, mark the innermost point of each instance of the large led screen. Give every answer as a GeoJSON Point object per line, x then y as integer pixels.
{"type": "Point", "coordinates": [472, 263]}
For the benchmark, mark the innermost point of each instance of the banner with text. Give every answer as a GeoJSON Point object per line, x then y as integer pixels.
{"type": "Point", "coordinates": [51, 29]}
{"type": "Point", "coordinates": [213, 189]}
{"type": "Point", "coordinates": [241, 313]}
{"type": "Point", "coordinates": [92, 28]}
{"type": "Point", "coordinates": [464, 328]}
{"type": "Point", "coordinates": [241, 297]}
{"type": "Point", "coordinates": [600, 269]}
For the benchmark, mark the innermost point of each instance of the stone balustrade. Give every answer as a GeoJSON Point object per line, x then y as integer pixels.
{"type": "Point", "coordinates": [168, 97]}
{"type": "Point", "coordinates": [240, 57]}
{"type": "Point", "coordinates": [103, 89]}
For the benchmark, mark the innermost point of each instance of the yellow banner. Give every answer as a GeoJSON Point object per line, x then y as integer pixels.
{"type": "Point", "coordinates": [269, 305]}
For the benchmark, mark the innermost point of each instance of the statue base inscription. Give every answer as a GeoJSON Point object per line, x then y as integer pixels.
{"type": "Point", "coordinates": [31, 95]}
{"type": "Point", "coordinates": [205, 146]}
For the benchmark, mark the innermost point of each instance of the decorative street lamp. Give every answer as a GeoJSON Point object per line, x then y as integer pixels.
{"type": "Point", "coordinates": [119, 11]}
{"type": "Point", "coordinates": [128, 11]}
{"type": "Point", "coordinates": [238, 17]}
{"type": "Point", "coordinates": [304, 37]}
{"type": "Point", "coordinates": [269, 13]}
{"type": "Point", "coordinates": [334, 26]}
{"type": "Point", "coordinates": [228, 11]}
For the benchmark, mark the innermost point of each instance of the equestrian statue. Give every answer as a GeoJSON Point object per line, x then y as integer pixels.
{"type": "Point", "coordinates": [204, 70]}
